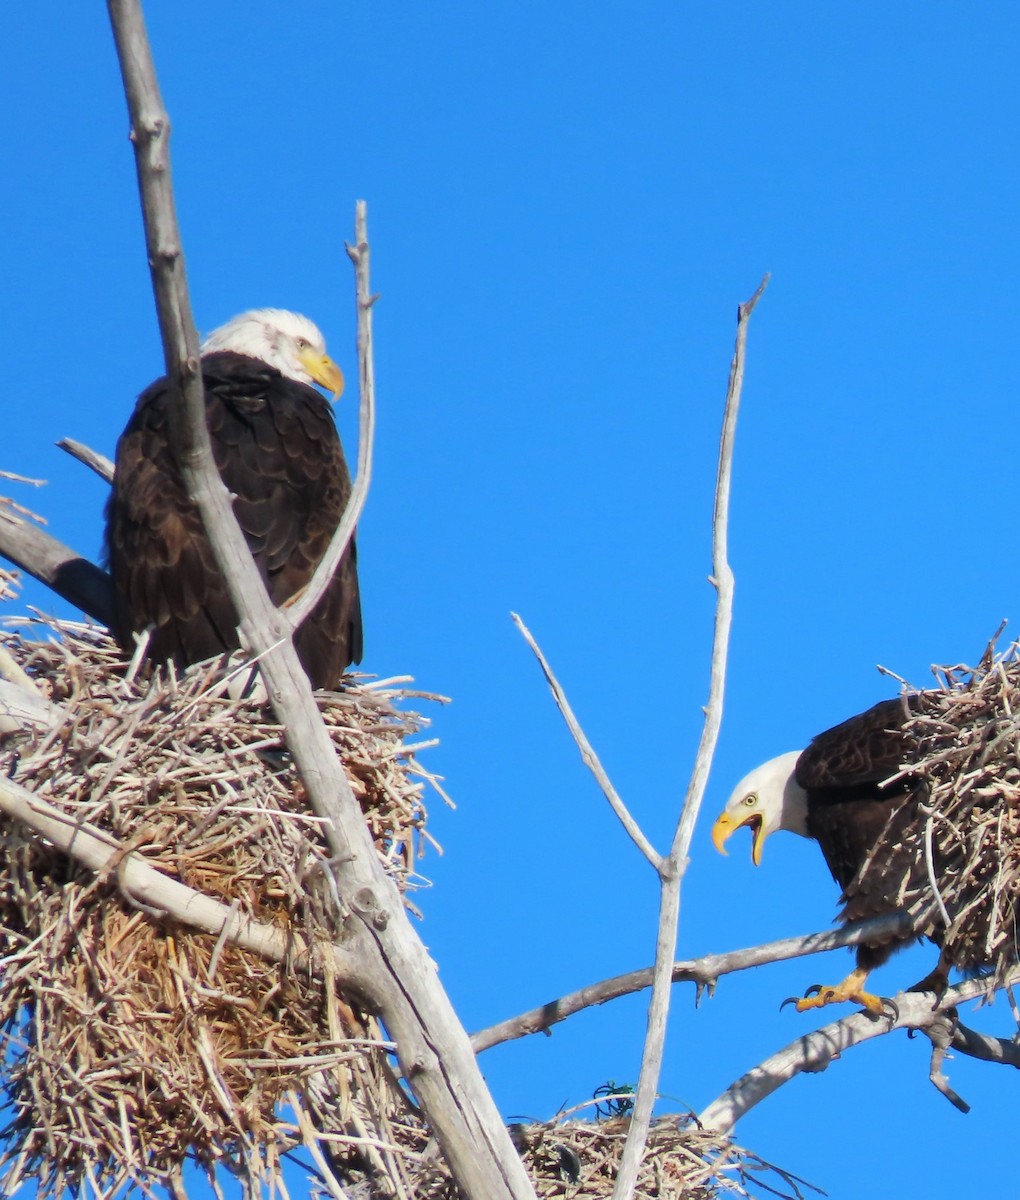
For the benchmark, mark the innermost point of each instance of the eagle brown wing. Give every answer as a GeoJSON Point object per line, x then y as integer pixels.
{"type": "Point", "coordinates": [859, 823]}
{"type": "Point", "coordinates": [277, 449]}
{"type": "Point", "coordinates": [864, 750]}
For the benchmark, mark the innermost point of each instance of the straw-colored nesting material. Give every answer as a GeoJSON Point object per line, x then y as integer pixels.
{"type": "Point", "coordinates": [580, 1159]}
{"type": "Point", "coordinates": [954, 863]}
{"type": "Point", "coordinates": [130, 1042]}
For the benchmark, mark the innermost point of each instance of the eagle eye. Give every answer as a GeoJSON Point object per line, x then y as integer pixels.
{"type": "Point", "coordinates": [750, 800]}
{"type": "Point", "coordinates": [301, 343]}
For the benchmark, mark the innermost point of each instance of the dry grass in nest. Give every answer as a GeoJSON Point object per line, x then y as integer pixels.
{"type": "Point", "coordinates": [132, 1044]}
{"type": "Point", "coordinates": [962, 842]}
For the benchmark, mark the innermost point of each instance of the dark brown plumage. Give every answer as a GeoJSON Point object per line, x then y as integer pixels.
{"type": "Point", "coordinates": [849, 793]}
{"type": "Point", "coordinates": [276, 446]}
{"type": "Point", "coordinates": [857, 820]}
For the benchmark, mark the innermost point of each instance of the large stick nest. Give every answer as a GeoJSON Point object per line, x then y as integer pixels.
{"type": "Point", "coordinates": [131, 1044]}
{"type": "Point", "coordinates": [952, 857]}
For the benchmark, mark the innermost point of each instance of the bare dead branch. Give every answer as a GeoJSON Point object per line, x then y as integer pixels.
{"type": "Point", "coordinates": [359, 254]}
{"type": "Point", "coordinates": [702, 972]}
{"type": "Point", "coordinates": [674, 866]}
{"type": "Point", "coordinates": [940, 1031]}
{"type": "Point", "coordinates": [983, 1046]}
{"type": "Point", "coordinates": [590, 758]}
{"type": "Point", "coordinates": [60, 568]}
{"type": "Point", "coordinates": [813, 1052]}
{"type": "Point", "coordinates": [92, 459]}
{"type": "Point", "coordinates": [433, 1049]}
{"type": "Point", "coordinates": [16, 478]}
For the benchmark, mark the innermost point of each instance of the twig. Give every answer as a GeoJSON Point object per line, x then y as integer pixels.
{"type": "Point", "coordinates": [310, 1138]}
{"type": "Point", "coordinates": [703, 972]}
{"type": "Point", "coordinates": [359, 254]}
{"type": "Point", "coordinates": [929, 865]}
{"type": "Point", "coordinates": [15, 478]}
{"type": "Point", "coordinates": [813, 1052]}
{"type": "Point", "coordinates": [672, 869]}
{"type": "Point", "coordinates": [588, 755]}
{"type": "Point", "coordinates": [92, 459]}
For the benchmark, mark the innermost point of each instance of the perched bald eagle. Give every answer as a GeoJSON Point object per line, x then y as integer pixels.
{"type": "Point", "coordinates": [276, 446]}
{"type": "Point", "coordinates": [852, 791]}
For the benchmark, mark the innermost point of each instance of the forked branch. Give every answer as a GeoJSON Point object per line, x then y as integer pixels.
{"type": "Point", "coordinates": [670, 868]}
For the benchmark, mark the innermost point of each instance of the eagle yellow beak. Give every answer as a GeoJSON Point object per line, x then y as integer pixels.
{"type": "Point", "coordinates": [324, 371]}
{"type": "Point", "coordinates": [726, 826]}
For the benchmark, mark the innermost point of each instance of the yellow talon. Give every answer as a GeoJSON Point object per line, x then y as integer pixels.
{"type": "Point", "coordinates": [851, 989]}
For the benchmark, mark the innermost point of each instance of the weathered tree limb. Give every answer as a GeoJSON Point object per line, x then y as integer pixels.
{"type": "Point", "coordinates": [983, 1046]}
{"type": "Point", "coordinates": [359, 254]}
{"type": "Point", "coordinates": [702, 972]}
{"type": "Point", "coordinates": [401, 982]}
{"type": "Point", "coordinates": [92, 459]}
{"type": "Point", "coordinates": [813, 1052]}
{"type": "Point", "coordinates": [60, 568]}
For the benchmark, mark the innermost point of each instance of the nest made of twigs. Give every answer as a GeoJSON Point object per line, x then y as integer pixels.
{"type": "Point", "coordinates": [132, 1043]}
{"type": "Point", "coordinates": [580, 1159]}
{"type": "Point", "coordinates": [961, 835]}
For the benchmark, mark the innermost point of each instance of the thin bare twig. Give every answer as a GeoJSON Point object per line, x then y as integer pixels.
{"type": "Point", "coordinates": [360, 255]}
{"type": "Point", "coordinates": [590, 758]}
{"type": "Point", "coordinates": [92, 459]}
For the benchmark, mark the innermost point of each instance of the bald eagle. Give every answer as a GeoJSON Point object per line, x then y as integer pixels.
{"type": "Point", "coordinates": [276, 447]}
{"type": "Point", "coordinates": [852, 791]}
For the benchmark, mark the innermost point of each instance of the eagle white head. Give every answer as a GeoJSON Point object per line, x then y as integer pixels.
{"type": "Point", "coordinates": [285, 340]}
{"type": "Point", "coordinates": [767, 799]}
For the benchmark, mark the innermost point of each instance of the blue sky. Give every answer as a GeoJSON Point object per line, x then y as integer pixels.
{"type": "Point", "coordinates": [566, 203]}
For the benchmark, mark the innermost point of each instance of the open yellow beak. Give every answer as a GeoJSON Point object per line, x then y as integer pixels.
{"type": "Point", "coordinates": [324, 371]}
{"type": "Point", "coordinates": [726, 826]}
{"type": "Point", "coordinates": [721, 831]}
